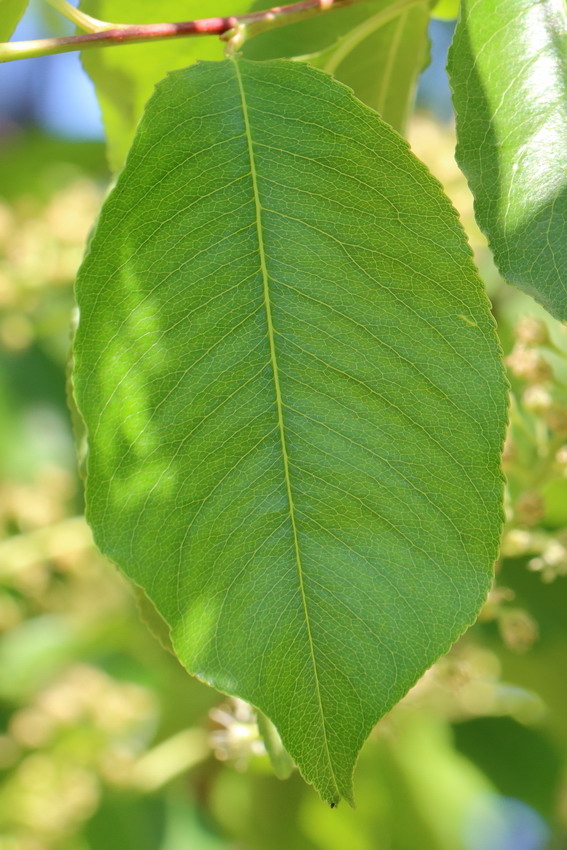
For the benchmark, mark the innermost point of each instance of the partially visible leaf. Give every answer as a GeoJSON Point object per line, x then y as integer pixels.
{"type": "Point", "coordinates": [312, 35]}
{"type": "Point", "coordinates": [508, 70]}
{"type": "Point", "coordinates": [295, 403]}
{"type": "Point", "coordinates": [10, 13]}
{"type": "Point", "coordinates": [381, 63]}
{"type": "Point", "coordinates": [377, 48]}
{"type": "Point", "coordinates": [125, 76]}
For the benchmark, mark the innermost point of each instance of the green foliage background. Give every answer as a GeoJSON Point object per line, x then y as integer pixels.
{"type": "Point", "coordinates": [107, 743]}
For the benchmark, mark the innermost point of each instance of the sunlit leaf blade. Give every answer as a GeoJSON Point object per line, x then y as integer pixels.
{"type": "Point", "coordinates": [508, 69]}
{"type": "Point", "coordinates": [124, 77]}
{"type": "Point", "coordinates": [289, 374]}
{"type": "Point", "coordinates": [10, 13]}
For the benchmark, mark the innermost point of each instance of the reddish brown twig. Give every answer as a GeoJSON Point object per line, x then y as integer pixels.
{"type": "Point", "coordinates": [256, 21]}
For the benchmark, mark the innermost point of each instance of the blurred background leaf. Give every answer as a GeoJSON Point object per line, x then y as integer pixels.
{"type": "Point", "coordinates": [10, 13]}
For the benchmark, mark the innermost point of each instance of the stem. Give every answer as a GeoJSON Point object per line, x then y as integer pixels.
{"type": "Point", "coordinates": [254, 22]}
{"type": "Point", "coordinates": [81, 19]}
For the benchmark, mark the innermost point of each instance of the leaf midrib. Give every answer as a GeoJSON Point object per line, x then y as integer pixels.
{"type": "Point", "coordinates": [279, 404]}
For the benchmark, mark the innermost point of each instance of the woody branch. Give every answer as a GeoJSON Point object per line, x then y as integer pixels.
{"type": "Point", "coordinates": [109, 35]}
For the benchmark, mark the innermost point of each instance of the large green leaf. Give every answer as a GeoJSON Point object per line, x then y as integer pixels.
{"type": "Point", "coordinates": [508, 69]}
{"type": "Point", "coordinates": [10, 13]}
{"type": "Point", "coordinates": [377, 48]}
{"type": "Point", "coordinates": [125, 76]}
{"type": "Point", "coordinates": [290, 378]}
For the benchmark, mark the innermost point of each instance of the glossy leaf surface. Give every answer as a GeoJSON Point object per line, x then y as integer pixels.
{"type": "Point", "coordinates": [292, 387]}
{"type": "Point", "coordinates": [508, 69]}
